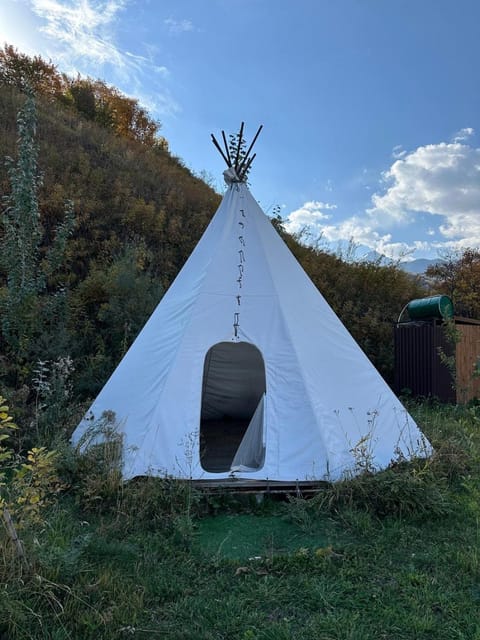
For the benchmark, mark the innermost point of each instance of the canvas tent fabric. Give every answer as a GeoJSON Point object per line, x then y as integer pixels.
{"type": "Point", "coordinates": [243, 332]}
{"type": "Point", "coordinates": [251, 451]}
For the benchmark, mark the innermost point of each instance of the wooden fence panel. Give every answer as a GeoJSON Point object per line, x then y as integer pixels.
{"type": "Point", "coordinates": [467, 361]}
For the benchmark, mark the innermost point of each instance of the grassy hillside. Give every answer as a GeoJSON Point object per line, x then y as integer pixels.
{"type": "Point", "coordinates": [123, 191]}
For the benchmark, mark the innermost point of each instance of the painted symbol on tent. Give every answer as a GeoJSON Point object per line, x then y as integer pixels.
{"type": "Point", "coordinates": [242, 240]}
{"type": "Point", "coordinates": [242, 224]}
{"type": "Point", "coordinates": [242, 256]}
{"type": "Point", "coordinates": [238, 299]}
{"type": "Point", "coordinates": [236, 323]}
{"type": "Point", "coordinates": [242, 211]}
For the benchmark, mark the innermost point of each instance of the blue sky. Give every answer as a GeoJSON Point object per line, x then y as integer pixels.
{"type": "Point", "coordinates": [370, 107]}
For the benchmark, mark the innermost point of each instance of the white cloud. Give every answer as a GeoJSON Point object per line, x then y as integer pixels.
{"type": "Point", "coordinates": [463, 134]}
{"type": "Point", "coordinates": [82, 37]}
{"type": "Point", "coordinates": [441, 179]}
{"type": "Point", "coordinates": [359, 230]}
{"type": "Point", "coordinates": [179, 26]}
{"type": "Point", "coordinates": [309, 216]}
{"type": "Point", "coordinates": [398, 152]}
{"type": "Point", "coordinates": [84, 28]}
{"type": "Point", "coordinates": [438, 180]}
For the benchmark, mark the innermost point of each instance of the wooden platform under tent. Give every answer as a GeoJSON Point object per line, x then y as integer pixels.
{"type": "Point", "coordinates": [299, 488]}
{"type": "Point", "coordinates": [219, 442]}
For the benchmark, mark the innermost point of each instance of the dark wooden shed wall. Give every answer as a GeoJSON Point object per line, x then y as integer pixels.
{"type": "Point", "coordinates": [419, 367]}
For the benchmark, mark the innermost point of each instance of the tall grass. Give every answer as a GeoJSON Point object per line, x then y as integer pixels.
{"type": "Point", "coordinates": [390, 555]}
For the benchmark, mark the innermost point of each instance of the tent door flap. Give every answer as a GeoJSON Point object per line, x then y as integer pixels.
{"type": "Point", "coordinates": [250, 454]}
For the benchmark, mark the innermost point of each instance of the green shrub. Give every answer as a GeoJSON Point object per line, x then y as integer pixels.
{"type": "Point", "coordinates": [397, 491]}
{"type": "Point", "coordinates": [28, 485]}
{"type": "Point", "coordinates": [97, 466]}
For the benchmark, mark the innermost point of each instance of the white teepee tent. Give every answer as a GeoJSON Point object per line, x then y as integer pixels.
{"type": "Point", "coordinates": [244, 369]}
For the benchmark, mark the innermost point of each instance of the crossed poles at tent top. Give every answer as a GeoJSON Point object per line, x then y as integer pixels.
{"type": "Point", "coordinates": [234, 154]}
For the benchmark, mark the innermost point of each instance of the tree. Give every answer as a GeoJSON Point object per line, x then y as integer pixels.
{"type": "Point", "coordinates": [25, 295]}
{"type": "Point", "coordinates": [93, 99]}
{"type": "Point", "coordinates": [458, 276]}
{"type": "Point", "coordinates": [123, 115]}
{"type": "Point", "coordinates": [20, 71]}
{"type": "Point", "coordinates": [84, 98]}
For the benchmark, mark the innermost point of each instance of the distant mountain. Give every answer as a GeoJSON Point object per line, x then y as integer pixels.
{"type": "Point", "coordinates": [418, 266]}
{"type": "Point", "coordinates": [375, 256]}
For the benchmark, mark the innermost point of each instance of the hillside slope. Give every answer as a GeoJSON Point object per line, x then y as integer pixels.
{"type": "Point", "coordinates": [123, 191]}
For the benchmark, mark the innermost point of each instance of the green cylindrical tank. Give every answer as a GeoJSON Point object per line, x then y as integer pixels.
{"type": "Point", "coordinates": [433, 307]}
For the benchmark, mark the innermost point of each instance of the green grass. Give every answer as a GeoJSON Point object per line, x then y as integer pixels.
{"type": "Point", "coordinates": [244, 536]}
{"type": "Point", "coordinates": [346, 565]}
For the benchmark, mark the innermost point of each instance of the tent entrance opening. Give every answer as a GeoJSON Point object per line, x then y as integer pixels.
{"type": "Point", "coordinates": [231, 420]}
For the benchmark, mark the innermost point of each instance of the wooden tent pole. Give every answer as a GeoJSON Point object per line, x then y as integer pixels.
{"type": "Point", "coordinates": [214, 140]}
{"type": "Point", "coordinates": [242, 168]}
{"type": "Point", "coordinates": [245, 159]}
{"type": "Point", "coordinates": [240, 138]}
{"type": "Point", "coordinates": [226, 148]}
{"type": "Point", "coordinates": [247, 166]}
